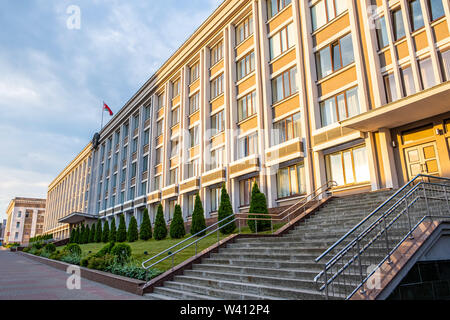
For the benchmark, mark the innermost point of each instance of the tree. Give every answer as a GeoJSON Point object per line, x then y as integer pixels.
{"type": "Point", "coordinates": [113, 231]}
{"type": "Point", "coordinates": [226, 210]}
{"type": "Point", "coordinates": [198, 217]}
{"type": "Point", "coordinates": [98, 233]}
{"type": "Point", "coordinates": [122, 230]}
{"type": "Point", "coordinates": [87, 232]}
{"type": "Point", "coordinates": [105, 234]}
{"type": "Point", "coordinates": [133, 233]}
{"type": "Point", "coordinates": [258, 204]}
{"type": "Point", "coordinates": [72, 233]}
{"type": "Point", "coordinates": [145, 233]}
{"type": "Point", "coordinates": [177, 230]}
{"type": "Point", "coordinates": [92, 234]}
{"type": "Point", "coordinates": [76, 235]}
{"type": "Point", "coordinates": [160, 228]}
{"type": "Point", "coordinates": [81, 235]}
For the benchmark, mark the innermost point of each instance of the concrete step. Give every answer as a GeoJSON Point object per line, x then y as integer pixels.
{"type": "Point", "coordinates": [301, 265]}
{"type": "Point", "coordinates": [172, 294]}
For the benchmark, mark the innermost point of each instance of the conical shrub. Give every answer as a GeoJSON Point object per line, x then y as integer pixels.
{"type": "Point", "coordinates": [92, 234]}
{"type": "Point", "coordinates": [198, 218]}
{"type": "Point", "coordinates": [145, 233]}
{"type": "Point", "coordinates": [225, 211]}
{"type": "Point", "coordinates": [160, 228]}
{"type": "Point", "coordinates": [177, 230]}
{"type": "Point", "coordinates": [122, 230]}
{"type": "Point", "coordinates": [81, 235]}
{"type": "Point", "coordinates": [87, 232]}
{"type": "Point", "coordinates": [132, 234]}
{"type": "Point", "coordinates": [98, 232]}
{"type": "Point", "coordinates": [258, 204]}
{"type": "Point", "coordinates": [113, 231]}
{"type": "Point", "coordinates": [105, 233]}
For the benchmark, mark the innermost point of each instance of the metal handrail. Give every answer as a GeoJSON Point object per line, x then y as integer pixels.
{"type": "Point", "coordinates": [358, 238]}
{"type": "Point", "coordinates": [315, 194]}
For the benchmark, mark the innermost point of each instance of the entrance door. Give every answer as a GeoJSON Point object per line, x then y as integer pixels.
{"type": "Point", "coordinates": [422, 159]}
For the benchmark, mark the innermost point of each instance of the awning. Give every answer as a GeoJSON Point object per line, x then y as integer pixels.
{"type": "Point", "coordinates": [422, 105]}
{"type": "Point", "coordinates": [77, 217]}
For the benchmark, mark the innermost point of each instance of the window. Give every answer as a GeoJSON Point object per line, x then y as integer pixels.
{"type": "Point", "coordinates": [382, 36]}
{"type": "Point", "coordinates": [19, 214]}
{"type": "Point", "coordinates": [160, 101]}
{"type": "Point", "coordinates": [175, 116]}
{"type": "Point", "coordinates": [132, 193]}
{"type": "Point", "coordinates": [192, 169]}
{"type": "Point", "coordinates": [175, 147]}
{"type": "Point", "coordinates": [216, 53]}
{"type": "Point", "coordinates": [159, 128]}
{"type": "Point", "coordinates": [17, 225]}
{"type": "Point", "coordinates": [416, 16]}
{"type": "Point", "coordinates": [157, 183]}
{"type": "Point", "coordinates": [146, 113]}
{"type": "Point", "coordinates": [445, 60]}
{"type": "Point", "coordinates": [397, 21]}
{"type": "Point", "coordinates": [135, 122]}
{"type": "Point", "coordinates": [217, 158]}
{"type": "Point", "coordinates": [244, 30]}
{"type": "Point", "coordinates": [191, 204]}
{"type": "Point", "coordinates": [195, 72]}
{"type": "Point", "coordinates": [427, 74]}
{"type": "Point", "coordinates": [194, 103]}
{"type": "Point", "coordinates": [325, 11]}
{"type": "Point", "coordinates": [390, 87]}
{"type": "Point", "coordinates": [194, 135]}
{"type": "Point", "coordinates": [133, 170]}
{"type": "Point", "coordinates": [335, 56]}
{"type": "Point", "coordinates": [217, 122]}
{"type": "Point", "coordinates": [246, 65]}
{"type": "Point", "coordinates": [291, 181]}
{"type": "Point", "coordinates": [114, 181]}
{"type": "Point", "coordinates": [173, 176]}
{"type": "Point", "coordinates": [284, 85]}
{"type": "Point", "coordinates": [145, 164]}
{"type": "Point", "coordinates": [245, 191]}
{"type": "Point", "coordinates": [248, 145]}
{"type": "Point", "coordinates": [125, 131]}
{"type": "Point", "coordinates": [282, 41]}
{"type": "Point", "coordinates": [340, 107]}
{"type": "Point", "coordinates": [349, 166]}
{"type": "Point", "coordinates": [215, 199]}
{"type": "Point", "coordinates": [246, 106]}
{"type": "Point", "coordinates": [217, 87]}
{"type": "Point", "coordinates": [123, 176]}
{"type": "Point", "coordinates": [275, 6]}
{"type": "Point", "coordinates": [436, 9]}
{"type": "Point", "coordinates": [146, 137]}
{"type": "Point", "coordinates": [158, 156]}
{"type": "Point", "coordinates": [176, 88]}
{"type": "Point", "coordinates": [143, 188]}
{"type": "Point", "coordinates": [408, 82]}
{"type": "Point", "coordinates": [286, 129]}
{"type": "Point", "coordinates": [122, 197]}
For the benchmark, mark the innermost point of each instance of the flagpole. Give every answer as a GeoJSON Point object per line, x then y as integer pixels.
{"type": "Point", "coordinates": [103, 112]}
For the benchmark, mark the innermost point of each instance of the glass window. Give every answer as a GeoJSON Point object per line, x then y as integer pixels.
{"type": "Point", "coordinates": [382, 36]}
{"type": "Point", "coordinates": [133, 171]}
{"type": "Point", "coordinates": [246, 106]}
{"type": "Point", "coordinates": [217, 158]}
{"type": "Point", "coordinates": [158, 156]}
{"type": "Point", "coordinates": [191, 204]}
{"type": "Point", "coordinates": [157, 182]}
{"type": "Point", "coordinates": [195, 72]}
{"type": "Point", "coordinates": [161, 101]}
{"type": "Point", "coordinates": [194, 135]}
{"type": "Point", "coordinates": [176, 88]}
{"type": "Point", "coordinates": [291, 181]}
{"type": "Point", "coordinates": [244, 30]}
{"type": "Point", "coordinates": [217, 87]}
{"type": "Point", "coordinates": [132, 193]}
{"type": "Point", "coordinates": [390, 87]}
{"type": "Point", "coordinates": [192, 169]}
{"type": "Point", "coordinates": [427, 74]}
{"type": "Point", "coordinates": [340, 107]}
{"type": "Point", "coordinates": [353, 107]}
{"type": "Point", "coordinates": [408, 81]}
{"type": "Point", "coordinates": [328, 112]}
{"type": "Point", "coordinates": [143, 188]}
{"type": "Point", "coordinates": [217, 122]}
{"type": "Point", "coordinates": [175, 147]}
{"type": "Point", "coordinates": [331, 58]}
{"type": "Point", "coordinates": [275, 6]}
{"type": "Point", "coordinates": [416, 15]}
{"type": "Point", "coordinates": [436, 8]}
{"type": "Point", "coordinates": [146, 137]}
{"type": "Point", "coordinates": [245, 191]}
{"type": "Point", "coordinates": [397, 21]}
{"type": "Point", "coordinates": [172, 205]}
{"type": "Point", "coordinates": [286, 129]}
{"type": "Point", "coordinates": [145, 164]}
{"type": "Point", "coordinates": [325, 11]}
{"type": "Point", "coordinates": [159, 128]}
{"type": "Point", "coordinates": [248, 145]}
{"type": "Point", "coordinates": [284, 85]}
{"type": "Point", "coordinates": [246, 66]}
{"type": "Point", "coordinates": [175, 116]}
{"type": "Point", "coordinates": [346, 44]}
{"type": "Point", "coordinates": [194, 103]}
{"type": "Point", "coordinates": [216, 53]}
{"type": "Point", "coordinates": [282, 41]}
{"type": "Point", "coordinates": [349, 166]}
{"type": "Point", "coordinates": [134, 145]}
{"type": "Point", "coordinates": [215, 199]}
{"type": "Point", "coordinates": [173, 176]}
{"type": "Point", "coordinates": [445, 56]}
{"type": "Point", "coordinates": [323, 61]}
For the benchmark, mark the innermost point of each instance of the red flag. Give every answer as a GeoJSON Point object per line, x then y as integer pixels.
{"type": "Point", "coordinates": [105, 107]}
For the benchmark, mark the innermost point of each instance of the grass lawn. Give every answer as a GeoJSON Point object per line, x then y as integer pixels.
{"type": "Point", "coordinates": [154, 247]}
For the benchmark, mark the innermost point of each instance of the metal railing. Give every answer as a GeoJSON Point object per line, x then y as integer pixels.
{"type": "Point", "coordinates": [354, 258]}
{"type": "Point", "coordinates": [300, 206]}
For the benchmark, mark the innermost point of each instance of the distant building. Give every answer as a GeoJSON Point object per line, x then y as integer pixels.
{"type": "Point", "coordinates": [2, 229]}
{"type": "Point", "coordinates": [25, 220]}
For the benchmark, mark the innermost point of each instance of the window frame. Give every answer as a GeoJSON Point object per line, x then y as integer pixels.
{"type": "Point", "coordinates": [330, 47]}
{"type": "Point", "coordinates": [248, 61]}
{"type": "Point", "coordinates": [217, 86]}
{"type": "Point", "coordinates": [336, 105]}
{"type": "Point", "coordinates": [247, 27]}
{"type": "Point", "coordinates": [250, 97]}
{"type": "Point", "coordinates": [291, 92]}
{"type": "Point", "coordinates": [216, 53]}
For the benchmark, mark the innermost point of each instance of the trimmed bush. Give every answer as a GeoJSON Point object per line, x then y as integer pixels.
{"type": "Point", "coordinates": [160, 229]}
{"type": "Point", "coordinates": [105, 233]}
{"type": "Point", "coordinates": [76, 235]}
{"type": "Point", "coordinates": [72, 233]}
{"type": "Point", "coordinates": [113, 231]}
{"type": "Point", "coordinates": [99, 263]}
{"type": "Point", "coordinates": [258, 204]}
{"type": "Point", "coordinates": [92, 234]}
{"type": "Point", "coordinates": [225, 211]}
{"type": "Point", "coordinates": [133, 233]}
{"type": "Point", "coordinates": [87, 233]}
{"type": "Point", "coordinates": [81, 235]}
{"type": "Point", "coordinates": [122, 230]}
{"type": "Point", "coordinates": [146, 227]}
{"type": "Point", "coordinates": [73, 248]}
{"type": "Point", "coordinates": [198, 217]}
{"type": "Point", "coordinates": [50, 248]}
{"type": "Point", "coordinates": [98, 232]}
{"type": "Point", "coordinates": [177, 230]}
{"type": "Point", "coordinates": [105, 250]}
{"type": "Point", "coordinates": [122, 252]}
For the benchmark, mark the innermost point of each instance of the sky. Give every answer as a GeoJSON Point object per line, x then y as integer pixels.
{"type": "Point", "coordinates": [57, 67]}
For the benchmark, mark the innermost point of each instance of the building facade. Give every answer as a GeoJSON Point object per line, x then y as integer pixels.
{"type": "Point", "coordinates": [68, 194]}
{"type": "Point", "coordinates": [2, 230]}
{"type": "Point", "coordinates": [25, 220]}
{"type": "Point", "coordinates": [290, 94]}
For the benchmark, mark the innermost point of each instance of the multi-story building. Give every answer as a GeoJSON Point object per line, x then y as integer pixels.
{"type": "Point", "coordinates": [290, 94]}
{"type": "Point", "coordinates": [25, 220]}
{"type": "Point", "coordinates": [67, 196]}
{"type": "Point", "coordinates": [2, 230]}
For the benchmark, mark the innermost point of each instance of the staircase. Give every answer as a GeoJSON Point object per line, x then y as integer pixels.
{"type": "Point", "coordinates": [278, 267]}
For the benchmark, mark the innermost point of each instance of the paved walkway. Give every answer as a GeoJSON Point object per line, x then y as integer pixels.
{"type": "Point", "coordinates": [25, 279]}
